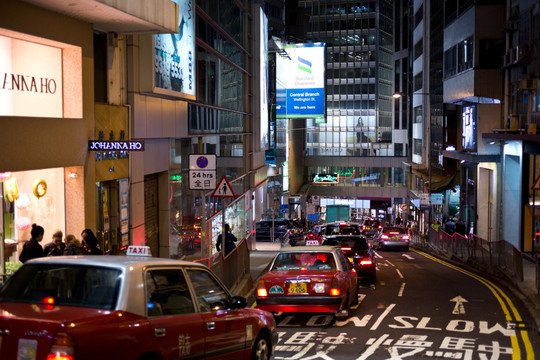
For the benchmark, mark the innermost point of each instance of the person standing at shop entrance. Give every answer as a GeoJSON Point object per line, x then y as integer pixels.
{"type": "Point", "coordinates": [32, 248]}
{"type": "Point", "coordinates": [230, 240]}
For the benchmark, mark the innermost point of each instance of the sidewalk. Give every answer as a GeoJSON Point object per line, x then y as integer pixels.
{"type": "Point", "coordinates": [525, 290]}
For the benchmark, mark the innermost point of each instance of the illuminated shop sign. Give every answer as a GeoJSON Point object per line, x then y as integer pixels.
{"type": "Point", "coordinates": [98, 145]}
{"type": "Point", "coordinates": [300, 82]}
{"type": "Point", "coordinates": [114, 149]}
{"type": "Point", "coordinates": [30, 79]}
{"type": "Point", "coordinates": [325, 179]}
{"type": "Point", "coordinates": [174, 55]}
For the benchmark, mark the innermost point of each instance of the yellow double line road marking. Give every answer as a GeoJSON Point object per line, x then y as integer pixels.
{"type": "Point", "coordinates": [503, 300]}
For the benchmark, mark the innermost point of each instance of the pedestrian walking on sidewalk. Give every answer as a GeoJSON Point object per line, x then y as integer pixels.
{"type": "Point", "coordinates": [230, 240]}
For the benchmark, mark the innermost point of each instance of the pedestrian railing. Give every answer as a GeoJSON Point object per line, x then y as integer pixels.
{"type": "Point", "coordinates": [490, 256]}
{"type": "Point", "coordinates": [232, 268]}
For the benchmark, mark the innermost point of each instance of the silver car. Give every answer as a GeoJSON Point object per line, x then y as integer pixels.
{"type": "Point", "coordinates": [392, 237]}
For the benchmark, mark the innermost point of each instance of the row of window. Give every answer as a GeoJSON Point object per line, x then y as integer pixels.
{"type": "Point", "coordinates": [363, 176]}
{"type": "Point", "coordinates": [459, 57]}
{"type": "Point", "coordinates": [349, 40]}
{"type": "Point", "coordinates": [350, 73]}
{"type": "Point", "coordinates": [337, 25]}
{"type": "Point", "coordinates": [344, 7]}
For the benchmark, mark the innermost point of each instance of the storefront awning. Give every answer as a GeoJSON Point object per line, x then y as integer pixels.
{"type": "Point", "coordinates": [440, 180]}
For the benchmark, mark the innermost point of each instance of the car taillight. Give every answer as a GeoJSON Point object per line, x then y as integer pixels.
{"type": "Point", "coordinates": [261, 289]}
{"type": "Point", "coordinates": [49, 300]}
{"type": "Point", "coordinates": [62, 347]}
{"type": "Point", "coordinates": [385, 237]}
{"type": "Point", "coordinates": [334, 289]}
{"type": "Point", "coordinates": [365, 262]}
{"type": "Point", "coordinates": [346, 248]}
{"type": "Point", "coordinates": [405, 237]}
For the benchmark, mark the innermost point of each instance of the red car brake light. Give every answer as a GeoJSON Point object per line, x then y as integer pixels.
{"type": "Point", "coordinates": [383, 236]}
{"type": "Point", "coordinates": [365, 262]}
{"type": "Point", "coordinates": [62, 347]}
{"type": "Point", "coordinates": [261, 289]}
{"type": "Point", "coordinates": [405, 237]}
{"type": "Point", "coordinates": [335, 289]}
{"type": "Point", "coordinates": [346, 248]}
{"type": "Point", "coordinates": [49, 300]}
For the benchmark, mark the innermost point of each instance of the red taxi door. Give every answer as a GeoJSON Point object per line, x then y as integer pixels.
{"type": "Point", "coordinates": [225, 329]}
{"type": "Point", "coordinates": [178, 330]}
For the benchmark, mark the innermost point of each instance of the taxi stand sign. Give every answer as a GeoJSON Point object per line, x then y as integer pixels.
{"type": "Point", "coordinates": [133, 250]}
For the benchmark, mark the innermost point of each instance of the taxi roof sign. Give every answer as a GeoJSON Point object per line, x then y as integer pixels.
{"type": "Point", "coordinates": [133, 250]}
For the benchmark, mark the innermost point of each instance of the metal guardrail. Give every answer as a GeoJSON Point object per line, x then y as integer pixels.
{"type": "Point", "coordinates": [231, 268]}
{"type": "Point", "coordinates": [490, 256]}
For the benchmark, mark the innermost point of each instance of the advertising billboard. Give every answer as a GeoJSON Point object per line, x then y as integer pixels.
{"type": "Point", "coordinates": [300, 81]}
{"type": "Point", "coordinates": [468, 126]}
{"type": "Point", "coordinates": [39, 77]}
{"type": "Point", "coordinates": [174, 55]}
{"type": "Point", "coordinates": [264, 79]}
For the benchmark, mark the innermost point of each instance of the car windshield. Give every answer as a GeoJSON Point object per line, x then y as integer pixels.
{"type": "Point", "coordinates": [356, 243]}
{"type": "Point", "coordinates": [304, 261]}
{"type": "Point", "coordinates": [61, 284]}
{"type": "Point", "coordinates": [339, 229]}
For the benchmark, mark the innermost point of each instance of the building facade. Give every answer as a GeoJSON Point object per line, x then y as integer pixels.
{"type": "Point", "coordinates": [358, 142]}
{"type": "Point", "coordinates": [51, 108]}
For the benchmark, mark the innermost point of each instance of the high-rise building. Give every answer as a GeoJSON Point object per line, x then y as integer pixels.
{"type": "Point", "coordinates": [358, 144]}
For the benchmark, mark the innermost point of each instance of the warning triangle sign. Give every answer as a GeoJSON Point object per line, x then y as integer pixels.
{"type": "Point", "coordinates": [536, 185]}
{"type": "Point", "coordinates": [223, 189]}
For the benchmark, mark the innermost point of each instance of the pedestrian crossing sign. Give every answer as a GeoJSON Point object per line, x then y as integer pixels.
{"type": "Point", "coordinates": [536, 185]}
{"type": "Point", "coordinates": [223, 189]}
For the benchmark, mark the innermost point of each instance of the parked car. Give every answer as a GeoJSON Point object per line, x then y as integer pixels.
{"type": "Point", "coordinates": [309, 279]}
{"type": "Point", "coordinates": [360, 254]}
{"type": "Point", "coordinates": [371, 227]}
{"type": "Point", "coordinates": [392, 237]}
{"type": "Point", "coordinates": [281, 231]}
{"type": "Point", "coordinates": [127, 307]}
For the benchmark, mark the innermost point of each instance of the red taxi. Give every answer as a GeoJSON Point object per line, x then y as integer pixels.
{"type": "Point", "coordinates": [127, 307]}
{"type": "Point", "coordinates": [309, 279]}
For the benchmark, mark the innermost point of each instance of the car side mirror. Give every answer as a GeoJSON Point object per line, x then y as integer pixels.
{"type": "Point", "coordinates": [238, 302]}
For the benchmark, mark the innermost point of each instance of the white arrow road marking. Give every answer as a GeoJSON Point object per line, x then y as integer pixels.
{"type": "Point", "coordinates": [459, 308]}
{"type": "Point", "coordinates": [409, 257]}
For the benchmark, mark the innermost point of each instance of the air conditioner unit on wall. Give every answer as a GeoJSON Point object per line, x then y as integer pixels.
{"type": "Point", "coordinates": [529, 84]}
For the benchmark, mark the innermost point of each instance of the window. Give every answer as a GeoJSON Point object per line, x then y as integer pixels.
{"type": "Point", "coordinates": [167, 293]}
{"type": "Point", "coordinates": [208, 291]}
{"type": "Point", "coordinates": [85, 286]}
{"type": "Point", "coordinates": [418, 49]}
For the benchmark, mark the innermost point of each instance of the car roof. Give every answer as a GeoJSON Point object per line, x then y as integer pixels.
{"type": "Point", "coordinates": [112, 261]}
{"type": "Point", "coordinates": [307, 248]}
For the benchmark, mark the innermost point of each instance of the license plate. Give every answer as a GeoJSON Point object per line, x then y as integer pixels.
{"type": "Point", "coordinates": [298, 288]}
{"type": "Point", "coordinates": [27, 349]}
{"type": "Point", "coordinates": [395, 237]}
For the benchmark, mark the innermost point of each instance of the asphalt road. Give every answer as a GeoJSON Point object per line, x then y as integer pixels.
{"type": "Point", "coordinates": [421, 307]}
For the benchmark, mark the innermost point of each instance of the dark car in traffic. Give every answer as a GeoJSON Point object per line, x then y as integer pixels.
{"type": "Point", "coordinates": [276, 230]}
{"type": "Point", "coordinates": [360, 254]}
{"type": "Point", "coordinates": [371, 227]}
